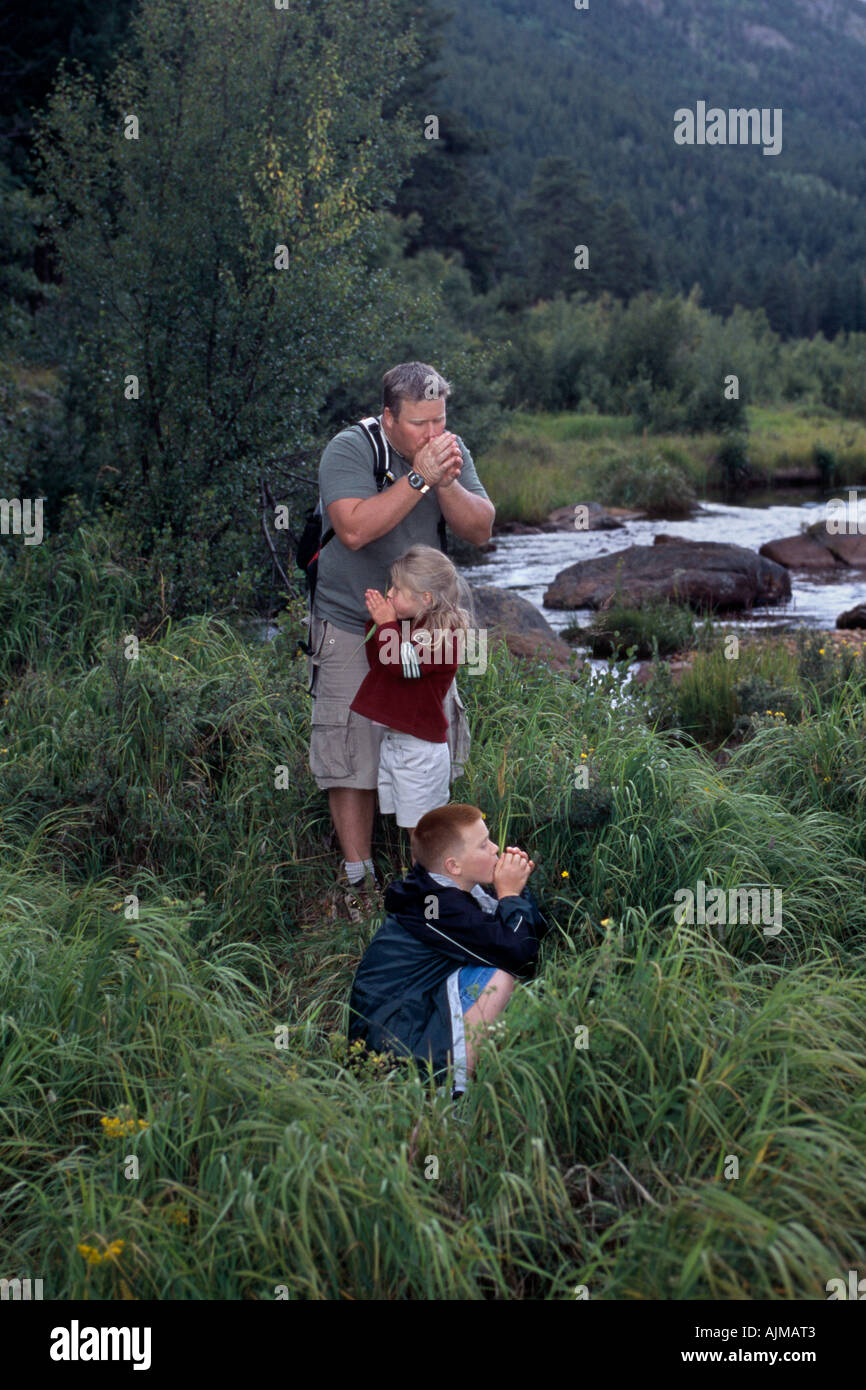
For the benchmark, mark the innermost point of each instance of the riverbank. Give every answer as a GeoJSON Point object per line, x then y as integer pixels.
{"type": "Point", "coordinates": [527, 564]}
{"type": "Point", "coordinates": [547, 461]}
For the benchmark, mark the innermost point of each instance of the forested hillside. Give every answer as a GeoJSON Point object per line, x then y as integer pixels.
{"type": "Point", "coordinates": [599, 88]}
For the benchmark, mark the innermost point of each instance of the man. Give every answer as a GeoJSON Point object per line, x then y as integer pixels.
{"type": "Point", "coordinates": [434, 477]}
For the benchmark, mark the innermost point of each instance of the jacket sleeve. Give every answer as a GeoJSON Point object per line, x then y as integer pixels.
{"type": "Point", "coordinates": [507, 938]}
{"type": "Point", "coordinates": [540, 924]}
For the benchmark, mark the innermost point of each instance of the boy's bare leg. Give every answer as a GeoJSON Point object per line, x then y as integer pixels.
{"type": "Point", "coordinates": [352, 811]}
{"type": "Point", "coordinates": [486, 1008]}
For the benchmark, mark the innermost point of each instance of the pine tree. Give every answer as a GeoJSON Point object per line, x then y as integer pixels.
{"type": "Point", "coordinates": [559, 213]}
{"type": "Point", "coordinates": [619, 259]}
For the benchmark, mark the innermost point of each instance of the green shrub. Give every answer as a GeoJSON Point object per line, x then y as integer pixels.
{"type": "Point", "coordinates": [649, 482]}
{"type": "Point", "coordinates": [758, 696]}
{"type": "Point", "coordinates": [662, 626]}
{"type": "Point", "coordinates": [827, 464]}
{"type": "Point", "coordinates": [733, 462]}
{"type": "Point", "coordinates": [707, 698]}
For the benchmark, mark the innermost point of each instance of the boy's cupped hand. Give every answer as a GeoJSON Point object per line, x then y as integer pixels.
{"type": "Point", "coordinates": [513, 868]}
{"type": "Point", "coordinates": [381, 609]}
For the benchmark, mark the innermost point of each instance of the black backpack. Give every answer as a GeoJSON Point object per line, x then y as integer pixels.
{"type": "Point", "coordinates": [313, 540]}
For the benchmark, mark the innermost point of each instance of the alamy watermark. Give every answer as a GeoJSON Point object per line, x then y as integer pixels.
{"type": "Point", "coordinates": [22, 517]}
{"type": "Point", "coordinates": [464, 646]}
{"type": "Point", "coordinates": [838, 1291]}
{"type": "Point", "coordinates": [736, 126]}
{"type": "Point", "coordinates": [751, 903]}
{"type": "Point", "coordinates": [20, 1289]}
{"type": "Point", "coordinates": [77, 1343]}
{"type": "Point", "coordinates": [845, 518]}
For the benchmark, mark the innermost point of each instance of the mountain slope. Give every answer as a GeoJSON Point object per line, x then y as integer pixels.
{"type": "Point", "coordinates": [602, 85]}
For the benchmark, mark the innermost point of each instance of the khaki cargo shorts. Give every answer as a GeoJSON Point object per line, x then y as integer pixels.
{"type": "Point", "coordinates": [344, 746]}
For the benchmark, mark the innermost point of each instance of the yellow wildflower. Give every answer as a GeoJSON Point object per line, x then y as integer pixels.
{"type": "Point", "coordinates": [115, 1126]}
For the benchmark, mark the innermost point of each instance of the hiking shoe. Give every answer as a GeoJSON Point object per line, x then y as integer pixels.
{"type": "Point", "coordinates": [372, 897]}
{"type": "Point", "coordinates": [363, 899]}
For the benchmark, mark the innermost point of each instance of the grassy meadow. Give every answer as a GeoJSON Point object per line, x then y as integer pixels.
{"type": "Point", "coordinates": [181, 1119]}
{"type": "Point", "coordinates": [544, 461]}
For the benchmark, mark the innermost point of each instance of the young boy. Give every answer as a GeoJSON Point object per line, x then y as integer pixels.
{"type": "Point", "coordinates": [443, 964]}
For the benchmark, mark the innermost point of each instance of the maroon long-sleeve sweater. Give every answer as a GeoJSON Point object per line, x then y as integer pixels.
{"type": "Point", "coordinates": [411, 704]}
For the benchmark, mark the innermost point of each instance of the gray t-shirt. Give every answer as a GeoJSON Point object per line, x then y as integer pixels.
{"type": "Point", "coordinates": [347, 470]}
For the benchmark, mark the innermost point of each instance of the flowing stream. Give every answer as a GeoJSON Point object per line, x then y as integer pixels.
{"type": "Point", "coordinates": [528, 564]}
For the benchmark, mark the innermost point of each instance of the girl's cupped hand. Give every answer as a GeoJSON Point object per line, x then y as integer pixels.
{"type": "Point", "coordinates": [381, 609]}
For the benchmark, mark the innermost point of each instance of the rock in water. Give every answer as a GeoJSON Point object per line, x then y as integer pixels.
{"type": "Point", "coordinates": [517, 622]}
{"type": "Point", "coordinates": [800, 553]}
{"type": "Point", "coordinates": [703, 574]}
{"type": "Point", "coordinates": [595, 517]}
{"type": "Point", "coordinates": [855, 617]}
{"type": "Point", "coordinates": [818, 548]}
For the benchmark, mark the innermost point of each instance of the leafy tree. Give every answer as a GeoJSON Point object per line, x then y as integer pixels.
{"type": "Point", "coordinates": [196, 363]}
{"type": "Point", "coordinates": [20, 290]}
{"type": "Point", "coordinates": [33, 41]}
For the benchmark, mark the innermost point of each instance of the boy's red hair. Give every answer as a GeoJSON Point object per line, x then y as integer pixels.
{"type": "Point", "coordinates": [440, 833]}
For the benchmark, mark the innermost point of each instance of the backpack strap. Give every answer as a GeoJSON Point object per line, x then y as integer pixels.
{"type": "Point", "coordinates": [381, 465]}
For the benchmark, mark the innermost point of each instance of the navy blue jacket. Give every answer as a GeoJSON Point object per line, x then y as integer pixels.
{"type": "Point", "coordinates": [401, 999]}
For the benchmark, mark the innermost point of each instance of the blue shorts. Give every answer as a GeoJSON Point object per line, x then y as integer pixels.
{"type": "Point", "coordinates": [473, 980]}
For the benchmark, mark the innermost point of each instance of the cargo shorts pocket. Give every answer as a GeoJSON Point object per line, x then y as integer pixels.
{"type": "Point", "coordinates": [331, 739]}
{"type": "Point", "coordinates": [316, 642]}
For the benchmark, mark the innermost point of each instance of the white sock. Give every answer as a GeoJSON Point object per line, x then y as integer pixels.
{"type": "Point", "coordinates": [371, 869]}
{"type": "Point", "coordinates": [354, 870]}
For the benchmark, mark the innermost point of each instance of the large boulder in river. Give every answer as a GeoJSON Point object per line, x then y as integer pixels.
{"type": "Point", "coordinates": [518, 623]}
{"type": "Point", "coordinates": [855, 617]}
{"type": "Point", "coordinates": [704, 574]}
{"type": "Point", "coordinates": [817, 548]}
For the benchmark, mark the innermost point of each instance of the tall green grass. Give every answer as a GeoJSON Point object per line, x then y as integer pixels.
{"type": "Point", "coordinates": [181, 1114]}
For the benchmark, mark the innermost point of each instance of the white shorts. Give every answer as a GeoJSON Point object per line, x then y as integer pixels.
{"type": "Point", "coordinates": [414, 776]}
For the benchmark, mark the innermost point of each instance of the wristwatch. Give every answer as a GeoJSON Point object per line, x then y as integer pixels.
{"type": "Point", "coordinates": [417, 482]}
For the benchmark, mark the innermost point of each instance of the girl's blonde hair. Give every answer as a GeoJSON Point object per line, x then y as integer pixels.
{"type": "Point", "coordinates": [423, 568]}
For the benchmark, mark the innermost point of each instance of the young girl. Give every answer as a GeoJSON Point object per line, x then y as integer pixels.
{"type": "Point", "coordinates": [420, 632]}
